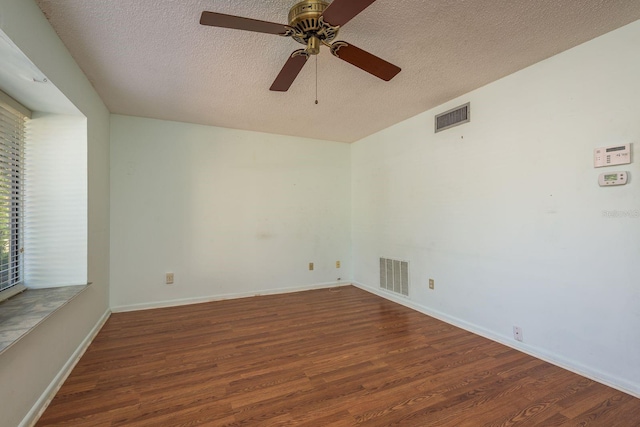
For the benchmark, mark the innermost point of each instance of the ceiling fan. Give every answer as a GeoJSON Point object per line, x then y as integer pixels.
{"type": "Point", "coordinates": [311, 23]}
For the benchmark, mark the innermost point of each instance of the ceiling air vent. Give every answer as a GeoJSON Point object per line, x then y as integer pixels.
{"type": "Point", "coordinates": [454, 117]}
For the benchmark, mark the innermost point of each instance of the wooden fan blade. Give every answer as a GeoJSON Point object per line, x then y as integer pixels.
{"type": "Point", "coordinates": [290, 71]}
{"type": "Point", "coordinates": [239, 23]}
{"type": "Point", "coordinates": [340, 12]}
{"type": "Point", "coordinates": [364, 60]}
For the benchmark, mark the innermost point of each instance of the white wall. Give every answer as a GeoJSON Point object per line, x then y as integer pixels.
{"type": "Point", "coordinates": [506, 215]}
{"type": "Point", "coordinates": [229, 212]}
{"type": "Point", "coordinates": [28, 367]}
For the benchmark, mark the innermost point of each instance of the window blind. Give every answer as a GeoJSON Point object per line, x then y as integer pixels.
{"type": "Point", "coordinates": [55, 201]}
{"type": "Point", "coordinates": [12, 133]}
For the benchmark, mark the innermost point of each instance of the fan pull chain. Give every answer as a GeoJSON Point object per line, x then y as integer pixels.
{"type": "Point", "coordinates": [316, 79]}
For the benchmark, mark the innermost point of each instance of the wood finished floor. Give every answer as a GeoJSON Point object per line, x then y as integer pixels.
{"type": "Point", "coordinates": [340, 357]}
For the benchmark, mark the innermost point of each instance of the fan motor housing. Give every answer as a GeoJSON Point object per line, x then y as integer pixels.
{"type": "Point", "coordinates": [305, 18]}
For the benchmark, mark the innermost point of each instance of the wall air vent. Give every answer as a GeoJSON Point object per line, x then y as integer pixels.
{"type": "Point", "coordinates": [454, 117]}
{"type": "Point", "coordinates": [394, 276]}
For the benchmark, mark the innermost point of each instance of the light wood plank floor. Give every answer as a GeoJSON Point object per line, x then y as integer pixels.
{"type": "Point", "coordinates": [340, 357]}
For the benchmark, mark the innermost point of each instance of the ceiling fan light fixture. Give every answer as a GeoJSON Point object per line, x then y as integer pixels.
{"type": "Point", "coordinates": [306, 9]}
{"type": "Point", "coordinates": [307, 26]}
{"type": "Point", "coordinates": [306, 20]}
{"type": "Point", "coordinates": [313, 45]}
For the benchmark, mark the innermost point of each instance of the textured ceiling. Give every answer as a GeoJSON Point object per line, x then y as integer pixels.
{"type": "Point", "coordinates": [152, 58]}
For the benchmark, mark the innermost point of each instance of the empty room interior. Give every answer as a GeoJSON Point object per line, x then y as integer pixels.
{"type": "Point", "coordinates": [318, 213]}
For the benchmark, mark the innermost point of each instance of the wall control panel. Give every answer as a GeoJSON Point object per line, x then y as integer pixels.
{"type": "Point", "coordinates": [610, 156]}
{"type": "Point", "coordinates": [612, 178]}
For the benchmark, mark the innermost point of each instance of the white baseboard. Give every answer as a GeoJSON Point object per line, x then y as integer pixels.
{"type": "Point", "coordinates": [210, 298]}
{"type": "Point", "coordinates": [45, 398]}
{"type": "Point", "coordinates": [555, 359]}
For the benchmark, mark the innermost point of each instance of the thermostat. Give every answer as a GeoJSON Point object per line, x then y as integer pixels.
{"type": "Point", "coordinates": [610, 156]}
{"type": "Point", "coordinates": [612, 178]}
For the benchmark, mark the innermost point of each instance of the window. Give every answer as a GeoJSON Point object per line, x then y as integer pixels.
{"type": "Point", "coordinates": [12, 132]}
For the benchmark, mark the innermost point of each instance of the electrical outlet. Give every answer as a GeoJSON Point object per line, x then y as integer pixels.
{"type": "Point", "coordinates": [169, 279]}
{"type": "Point", "coordinates": [517, 333]}
{"type": "Point", "coordinates": [337, 264]}
{"type": "Point", "coordinates": [310, 266]}
{"type": "Point", "coordinates": [432, 284]}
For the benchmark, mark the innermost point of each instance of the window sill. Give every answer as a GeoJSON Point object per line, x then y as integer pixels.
{"type": "Point", "coordinates": [23, 312]}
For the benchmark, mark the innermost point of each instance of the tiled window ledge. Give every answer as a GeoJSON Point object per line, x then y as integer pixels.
{"type": "Point", "coordinates": [23, 312]}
